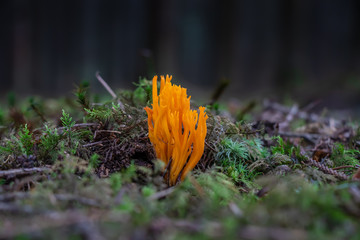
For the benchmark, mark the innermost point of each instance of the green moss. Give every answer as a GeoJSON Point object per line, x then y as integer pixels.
{"type": "Point", "coordinates": [236, 156]}
{"type": "Point", "coordinates": [342, 156]}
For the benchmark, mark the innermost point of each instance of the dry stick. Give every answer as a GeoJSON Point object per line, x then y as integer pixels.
{"type": "Point", "coordinates": [23, 171]}
{"type": "Point", "coordinates": [185, 226]}
{"type": "Point", "coordinates": [60, 129]}
{"type": "Point", "coordinates": [235, 210]}
{"type": "Point", "coordinates": [6, 197]}
{"type": "Point", "coordinates": [308, 136]}
{"type": "Point", "coordinates": [93, 144]}
{"type": "Point", "coordinates": [108, 131]}
{"type": "Point", "coordinates": [135, 125]}
{"type": "Point", "coordinates": [75, 126]}
{"type": "Point", "coordinates": [82, 200]}
{"type": "Point", "coordinates": [123, 130]}
{"type": "Point", "coordinates": [105, 85]}
{"type": "Point", "coordinates": [108, 88]}
{"type": "Point", "coordinates": [161, 194]}
{"type": "Point", "coordinates": [311, 105]}
{"type": "Point", "coordinates": [15, 208]}
{"type": "Point", "coordinates": [60, 197]}
{"type": "Point", "coordinates": [289, 117]}
{"type": "Point", "coordinates": [327, 170]}
{"type": "Point", "coordinates": [346, 166]}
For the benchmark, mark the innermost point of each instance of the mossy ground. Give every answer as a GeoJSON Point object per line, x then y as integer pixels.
{"type": "Point", "coordinates": [83, 168]}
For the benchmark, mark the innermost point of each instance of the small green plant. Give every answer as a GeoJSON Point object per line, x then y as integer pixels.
{"type": "Point", "coordinates": [148, 191]}
{"type": "Point", "coordinates": [342, 156]}
{"type": "Point", "coordinates": [25, 141]}
{"type": "Point", "coordinates": [286, 148]}
{"type": "Point", "coordinates": [67, 121]}
{"type": "Point", "coordinates": [281, 147]}
{"type": "Point", "coordinates": [68, 124]}
{"type": "Point", "coordinates": [82, 94]}
{"type": "Point", "coordinates": [48, 144]}
{"type": "Point", "coordinates": [116, 182]}
{"type": "Point", "coordinates": [118, 179]}
{"type": "Point", "coordinates": [142, 94]}
{"type": "Point", "coordinates": [21, 144]}
{"type": "Point", "coordinates": [94, 161]}
{"type": "Point", "coordinates": [101, 114]}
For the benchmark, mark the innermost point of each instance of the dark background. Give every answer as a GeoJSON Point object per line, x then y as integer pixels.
{"type": "Point", "coordinates": [305, 49]}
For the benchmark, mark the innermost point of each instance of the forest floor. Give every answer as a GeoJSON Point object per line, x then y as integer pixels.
{"type": "Point", "coordinates": [84, 168]}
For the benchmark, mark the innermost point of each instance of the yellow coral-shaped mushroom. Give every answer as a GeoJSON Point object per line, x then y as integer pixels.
{"type": "Point", "coordinates": [176, 132]}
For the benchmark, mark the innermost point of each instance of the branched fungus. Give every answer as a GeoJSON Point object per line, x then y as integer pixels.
{"type": "Point", "coordinates": [176, 132]}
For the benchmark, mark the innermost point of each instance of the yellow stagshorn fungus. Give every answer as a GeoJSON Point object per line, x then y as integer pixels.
{"type": "Point", "coordinates": [176, 132]}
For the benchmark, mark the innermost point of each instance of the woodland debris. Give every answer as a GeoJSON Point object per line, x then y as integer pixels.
{"type": "Point", "coordinates": [13, 173]}
{"type": "Point", "coordinates": [327, 170]}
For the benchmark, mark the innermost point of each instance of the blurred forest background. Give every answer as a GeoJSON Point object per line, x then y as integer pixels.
{"type": "Point", "coordinates": [306, 49]}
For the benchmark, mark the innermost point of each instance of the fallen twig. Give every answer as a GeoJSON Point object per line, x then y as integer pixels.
{"type": "Point", "coordinates": [307, 136]}
{"type": "Point", "coordinates": [59, 197]}
{"type": "Point", "coordinates": [135, 125]}
{"type": "Point", "coordinates": [161, 194]}
{"type": "Point", "coordinates": [289, 117]}
{"type": "Point", "coordinates": [186, 226]}
{"type": "Point", "coordinates": [342, 167]}
{"type": "Point", "coordinates": [15, 208]}
{"type": "Point", "coordinates": [93, 144]}
{"type": "Point", "coordinates": [107, 131]}
{"type": "Point", "coordinates": [61, 129]}
{"type": "Point", "coordinates": [23, 171]}
{"type": "Point", "coordinates": [235, 209]}
{"type": "Point", "coordinates": [6, 197]}
{"type": "Point", "coordinates": [105, 85]}
{"type": "Point", "coordinates": [108, 88]}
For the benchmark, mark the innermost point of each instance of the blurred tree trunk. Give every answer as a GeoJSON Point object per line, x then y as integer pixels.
{"type": "Point", "coordinates": [6, 46]}
{"type": "Point", "coordinates": [90, 39]}
{"type": "Point", "coordinates": [261, 46]}
{"type": "Point", "coordinates": [22, 51]}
